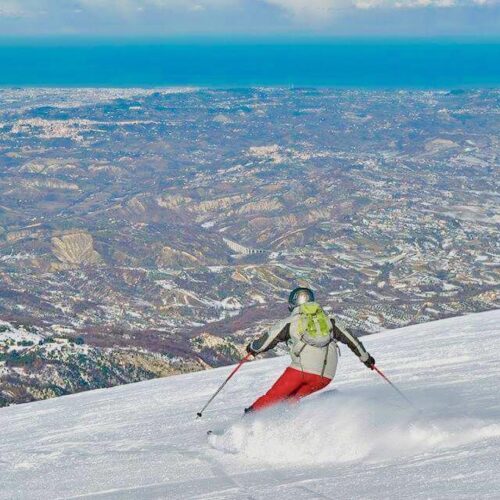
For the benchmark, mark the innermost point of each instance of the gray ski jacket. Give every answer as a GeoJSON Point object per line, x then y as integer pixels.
{"type": "Point", "coordinates": [318, 360]}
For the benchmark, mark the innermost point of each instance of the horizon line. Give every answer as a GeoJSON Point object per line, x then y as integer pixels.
{"type": "Point", "coordinates": [289, 38]}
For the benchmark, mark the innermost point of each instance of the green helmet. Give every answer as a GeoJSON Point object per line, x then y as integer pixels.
{"type": "Point", "coordinates": [298, 296]}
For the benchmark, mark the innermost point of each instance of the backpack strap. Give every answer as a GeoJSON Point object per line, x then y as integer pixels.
{"type": "Point", "coordinates": [325, 361]}
{"type": "Point", "coordinates": [303, 345]}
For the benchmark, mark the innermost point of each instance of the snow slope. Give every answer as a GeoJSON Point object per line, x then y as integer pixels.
{"type": "Point", "coordinates": [356, 439]}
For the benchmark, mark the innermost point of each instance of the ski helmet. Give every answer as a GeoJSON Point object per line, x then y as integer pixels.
{"type": "Point", "coordinates": [298, 296]}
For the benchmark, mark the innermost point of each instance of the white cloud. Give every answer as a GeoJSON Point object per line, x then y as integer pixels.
{"type": "Point", "coordinates": [309, 9]}
{"type": "Point", "coordinates": [11, 9]}
{"type": "Point", "coordinates": [301, 11]}
{"type": "Point", "coordinates": [322, 10]}
{"type": "Point", "coordinates": [120, 6]}
{"type": "Point", "coordinates": [109, 8]}
{"type": "Point", "coordinates": [407, 4]}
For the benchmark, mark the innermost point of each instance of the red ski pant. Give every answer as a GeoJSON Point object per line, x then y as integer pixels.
{"type": "Point", "coordinates": [292, 385]}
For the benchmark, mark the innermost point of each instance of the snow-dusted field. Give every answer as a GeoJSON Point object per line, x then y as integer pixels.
{"type": "Point", "coordinates": [357, 441]}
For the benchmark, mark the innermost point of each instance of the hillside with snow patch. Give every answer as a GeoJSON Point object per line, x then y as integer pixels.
{"type": "Point", "coordinates": [355, 439]}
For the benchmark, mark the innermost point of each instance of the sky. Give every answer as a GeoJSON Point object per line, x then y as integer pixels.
{"type": "Point", "coordinates": [151, 18]}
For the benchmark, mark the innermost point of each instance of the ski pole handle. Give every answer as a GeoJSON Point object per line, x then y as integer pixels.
{"type": "Point", "coordinates": [236, 368]}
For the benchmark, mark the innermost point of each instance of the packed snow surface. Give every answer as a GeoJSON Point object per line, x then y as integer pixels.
{"type": "Point", "coordinates": [355, 439]}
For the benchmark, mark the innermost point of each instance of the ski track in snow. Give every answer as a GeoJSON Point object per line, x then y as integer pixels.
{"type": "Point", "coordinates": [355, 439]}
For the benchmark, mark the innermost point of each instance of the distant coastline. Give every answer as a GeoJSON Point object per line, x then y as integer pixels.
{"type": "Point", "coordinates": [336, 63]}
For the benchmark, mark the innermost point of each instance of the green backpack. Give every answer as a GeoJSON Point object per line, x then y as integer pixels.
{"type": "Point", "coordinates": [314, 327]}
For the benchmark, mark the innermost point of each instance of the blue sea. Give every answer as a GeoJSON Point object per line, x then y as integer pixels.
{"type": "Point", "coordinates": [341, 63]}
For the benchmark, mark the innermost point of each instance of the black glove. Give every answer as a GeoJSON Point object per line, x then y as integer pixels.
{"type": "Point", "coordinates": [250, 350]}
{"type": "Point", "coordinates": [370, 362]}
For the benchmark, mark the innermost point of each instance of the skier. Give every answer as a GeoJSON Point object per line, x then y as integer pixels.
{"type": "Point", "coordinates": [312, 338]}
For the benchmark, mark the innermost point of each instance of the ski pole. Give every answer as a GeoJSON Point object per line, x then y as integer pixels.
{"type": "Point", "coordinates": [394, 387]}
{"type": "Point", "coordinates": [236, 368]}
